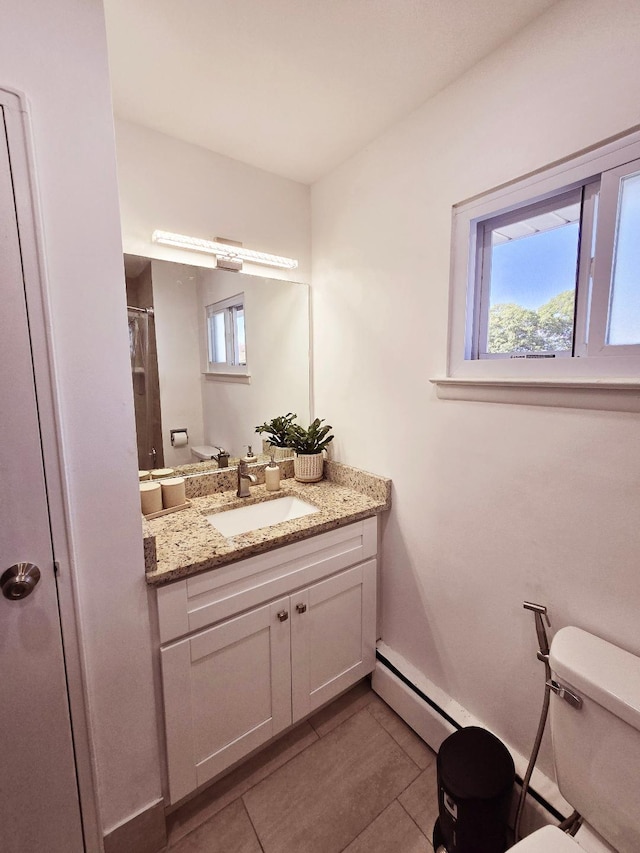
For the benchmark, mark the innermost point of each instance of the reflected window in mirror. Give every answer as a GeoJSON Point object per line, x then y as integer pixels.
{"type": "Point", "coordinates": [226, 337]}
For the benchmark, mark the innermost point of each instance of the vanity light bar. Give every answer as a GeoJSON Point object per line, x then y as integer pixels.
{"type": "Point", "coordinates": [223, 250]}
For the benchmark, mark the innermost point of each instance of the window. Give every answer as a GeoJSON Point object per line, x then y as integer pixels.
{"type": "Point", "coordinates": [528, 265]}
{"type": "Point", "coordinates": [546, 272]}
{"type": "Point", "coordinates": [226, 345]}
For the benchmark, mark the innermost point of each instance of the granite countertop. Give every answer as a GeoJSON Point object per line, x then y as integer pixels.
{"type": "Point", "coordinates": [185, 543]}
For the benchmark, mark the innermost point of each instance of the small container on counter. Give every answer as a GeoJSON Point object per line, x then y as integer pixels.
{"type": "Point", "coordinates": [173, 492]}
{"type": "Point", "coordinates": [144, 475]}
{"type": "Point", "coordinates": [150, 498]}
{"type": "Point", "coordinates": [272, 476]}
{"type": "Point", "coordinates": [161, 473]}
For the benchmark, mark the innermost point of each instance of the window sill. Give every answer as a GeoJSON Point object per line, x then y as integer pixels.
{"type": "Point", "coordinates": [616, 395]}
{"type": "Point", "coordinates": [242, 378]}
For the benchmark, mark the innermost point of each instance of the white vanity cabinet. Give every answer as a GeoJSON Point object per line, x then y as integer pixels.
{"type": "Point", "coordinates": [251, 648]}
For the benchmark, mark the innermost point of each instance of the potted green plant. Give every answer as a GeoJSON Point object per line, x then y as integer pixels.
{"type": "Point", "coordinates": [277, 432]}
{"type": "Point", "coordinates": [309, 445]}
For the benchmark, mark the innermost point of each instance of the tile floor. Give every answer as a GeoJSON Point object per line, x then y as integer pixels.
{"type": "Point", "coordinates": [352, 778]}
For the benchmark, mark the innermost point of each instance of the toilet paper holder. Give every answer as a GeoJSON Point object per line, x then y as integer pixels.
{"type": "Point", "coordinates": [174, 432]}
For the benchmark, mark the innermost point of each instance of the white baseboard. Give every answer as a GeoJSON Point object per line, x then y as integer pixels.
{"type": "Point", "coordinates": [434, 715]}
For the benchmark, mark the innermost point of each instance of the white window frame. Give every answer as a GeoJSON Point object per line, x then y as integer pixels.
{"type": "Point", "coordinates": [480, 325]}
{"type": "Point", "coordinates": [592, 360]}
{"type": "Point", "coordinates": [228, 308]}
{"type": "Point", "coordinates": [608, 214]}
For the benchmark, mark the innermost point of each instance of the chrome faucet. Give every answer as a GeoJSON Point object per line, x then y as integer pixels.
{"type": "Point", "coordinates": [222, 458]}
{"type": "Point", "coordinates": [244, 478]}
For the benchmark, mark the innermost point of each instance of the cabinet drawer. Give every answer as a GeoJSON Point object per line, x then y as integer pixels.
{"type": "Point", "coordinates": [201, 600]}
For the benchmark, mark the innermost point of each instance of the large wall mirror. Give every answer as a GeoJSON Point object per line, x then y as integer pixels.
{"type": "Point", "coordinates": [176, 385]}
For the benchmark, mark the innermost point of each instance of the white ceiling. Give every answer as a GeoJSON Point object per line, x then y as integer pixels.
{"type": "Point", "coordinates": [294, 86]}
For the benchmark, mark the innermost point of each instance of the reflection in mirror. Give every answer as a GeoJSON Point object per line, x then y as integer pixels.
{"type": "Point", "coordinates": [177, 385]}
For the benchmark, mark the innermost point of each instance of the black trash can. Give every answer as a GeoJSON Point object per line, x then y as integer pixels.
{"type": "Point", "coordinates": [475, 782]}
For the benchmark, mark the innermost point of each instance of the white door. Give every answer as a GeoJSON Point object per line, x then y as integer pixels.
{"type": "Point", "coordinates": [333, 636]}
{"type": "Point", "coordinates": [39, 809]}
{"type": "Point", "coordinates": [227, 690]}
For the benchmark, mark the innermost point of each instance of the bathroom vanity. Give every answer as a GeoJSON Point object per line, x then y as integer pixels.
{"type": "Point", "coordinates": [259, 630]}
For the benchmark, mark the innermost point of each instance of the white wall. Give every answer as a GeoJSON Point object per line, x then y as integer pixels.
{"type": "Point", "coordinates": [493, 504]}
{"type": "Point", "coordinates": [176, 314]}
{"type": "Point", "coordinates": [56, 54]}
{"type": "Point", "coordinates": [175, 186]}
{"type": "Point", "coordinates": [277, 338]}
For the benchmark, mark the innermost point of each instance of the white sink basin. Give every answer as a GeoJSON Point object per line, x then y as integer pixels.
{"type": "Point", "coordinates": [232, 522]}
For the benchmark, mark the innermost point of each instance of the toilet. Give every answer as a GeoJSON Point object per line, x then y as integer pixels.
{"type": "Point", "coordinates": [595, 728]}
{"type": "Point", "coordinates": [204, 452]}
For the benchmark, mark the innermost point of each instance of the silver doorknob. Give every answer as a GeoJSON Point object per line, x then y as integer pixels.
{"type": "Point", "coordinates": [301, 608]}
{"type": "Point", "coordinates": [282, 615]}
{"type": "Point", "coordinates": [19, 581]}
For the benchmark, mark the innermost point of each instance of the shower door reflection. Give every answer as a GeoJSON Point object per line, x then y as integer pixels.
{"type": "Point", "coordinates": [146, 393]}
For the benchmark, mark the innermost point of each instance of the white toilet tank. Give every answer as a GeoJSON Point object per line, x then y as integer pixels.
{"type": "Point", "coordinates": [204, 452]}
{"type": "Point", "coordinates": [597, 747]}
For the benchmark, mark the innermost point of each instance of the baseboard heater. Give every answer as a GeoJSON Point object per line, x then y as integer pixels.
{"type": "Point", "coordinates": [449, 721]}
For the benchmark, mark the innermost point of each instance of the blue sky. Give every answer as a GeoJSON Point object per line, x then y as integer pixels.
{"type": "Point", "coordinates": [531, 270]}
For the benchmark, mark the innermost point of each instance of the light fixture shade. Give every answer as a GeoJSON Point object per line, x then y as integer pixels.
{"type": "Point", "coordinates": [223, 250]}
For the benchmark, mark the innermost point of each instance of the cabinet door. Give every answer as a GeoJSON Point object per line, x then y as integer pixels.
{"type": "Point", "coordinates": [226, 691]}
{"type": "Point", "coordinates": [333, 636]}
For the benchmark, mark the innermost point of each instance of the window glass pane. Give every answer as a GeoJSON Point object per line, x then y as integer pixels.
{"type": "Point", "coordinates": [531, 292]}
{"type": "Point", "coordinates": [210, 338]}
{"type": "Point", "coordinates": [217, 344]}
{"type": "Point", "coordinates": [240, 338]}
{"type": "Point", "coordinates": [624, 313]}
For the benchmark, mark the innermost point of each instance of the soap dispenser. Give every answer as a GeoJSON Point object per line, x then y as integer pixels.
{"type": "Point", "coordinates": [272, 476]}
{"type": "Point", "coordinates": [251, 456]}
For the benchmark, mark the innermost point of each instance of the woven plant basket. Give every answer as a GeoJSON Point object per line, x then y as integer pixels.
{"type": "Point", "coordinates": [308, 467]}
{"type": "Point", "coordinates": [279, 453]}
